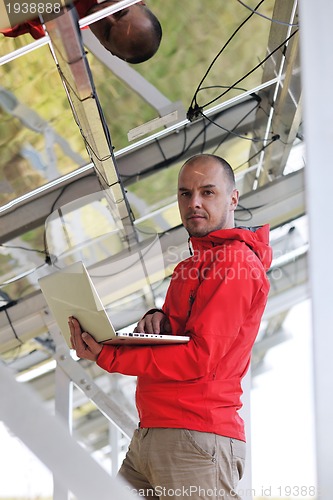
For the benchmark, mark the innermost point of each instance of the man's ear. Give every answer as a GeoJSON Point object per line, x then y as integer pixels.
{"type": "Point", "coordinates": [234, 199]}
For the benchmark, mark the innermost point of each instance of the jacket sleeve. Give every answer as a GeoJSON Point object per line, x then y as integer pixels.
{"type": "Point", "coordinates": [223, 301]}
{"type": "Point", "coordinates": [33, 27]}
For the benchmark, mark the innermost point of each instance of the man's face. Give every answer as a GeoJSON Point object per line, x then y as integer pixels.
{"type": "Point", "coordinates": [205, 197]}
{"type": "Point", "coordinates": [118, 31]}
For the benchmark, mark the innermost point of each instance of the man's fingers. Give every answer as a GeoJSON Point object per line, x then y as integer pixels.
{"type": "Point", "coordinates": [153, 323]}
{"type": "Point", "coordinates": [75, 331]}
{"type": "Point", "coordinates": [91, 343]}
{"type": "Point", "coordinates": [166, 325]}
{"type": "Point", "coordinates": [141, 326]}
{"type": "Point", "coordinates": [84, 344]}
{"type": "Point", "coordinates": [156, 323]}
{"type": "Point", "coordinates": [148, 327]}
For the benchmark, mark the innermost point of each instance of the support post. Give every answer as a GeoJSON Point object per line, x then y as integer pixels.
{"type": "Point", "coordinates": [317, 76]}
{"type": "Point", "coordinates": [63, 409]}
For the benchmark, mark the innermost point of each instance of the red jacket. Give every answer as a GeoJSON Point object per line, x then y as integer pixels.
{"type": "Point", "coordinates": [217, 296]}
{"type": "Point", "coordinates": [34, 26]}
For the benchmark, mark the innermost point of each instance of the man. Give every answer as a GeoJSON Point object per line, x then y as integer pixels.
{"type": "Point", "coordinates": [132, 34]}
{"type": "Point", "coordinates": [191, 441]}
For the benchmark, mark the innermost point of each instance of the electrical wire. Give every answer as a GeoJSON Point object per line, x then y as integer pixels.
{"type": "Point", "coordinates": [186, 147]}
{"type": "Point", "coordinates": [18, 247]}
{"type": "Point", "coordinates": [211, 122]}
{"type": "Point", "coordinates": [194, 109]}
{"type": "Point", "coordinates": [274, 138]}
{"type": "Point", "coordinates": [237, 125]}
{"type": "Point", "coordinates": [272, 20]}
{"type": "Point", "coordinates": [194, 104]}
{"type": "Point", "coordinates": [12, 327]}
{"type": "Point", "coordinates": [166, 161]}
{"type": "Point", "coordinates": [231, 132]}
{"type": "Point", "coordinates": [251, 71]}
{"type": "Point", "coordinates": [91, 151]}
{"type": "Point", "coordinates": [220, 87]}
{"type": "Point", "coordinates": [48, 259]}
{"type": "Point", "coordinates": [248, 210]}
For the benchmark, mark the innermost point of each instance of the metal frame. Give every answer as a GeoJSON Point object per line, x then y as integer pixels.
{"type": "Point", "coordinates": [49, 439]}
{"type": "Point", "coordinates": [317, 39]}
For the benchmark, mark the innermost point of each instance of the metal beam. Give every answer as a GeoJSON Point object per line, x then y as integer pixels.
{"type": "Point", "coordinates": [108, 405]}
{"type": "Point", "coordinates": [317, 76]}
{"type": "Point", "coordinates": [71, 60]}
{"type": "Point", "coordinates": [48, 438]}
{"type": "Point", "coordinates": [279, 112]}
{"type": "Point", "coordinates": [30, 211]}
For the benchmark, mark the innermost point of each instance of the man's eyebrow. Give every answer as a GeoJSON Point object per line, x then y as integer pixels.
{"type": "Point", "coordinates": [206, 186]}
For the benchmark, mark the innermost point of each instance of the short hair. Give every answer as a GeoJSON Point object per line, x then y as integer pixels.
{"type": "Point", "coordinates": [143, 49]}
{"type": "Point", "coordinates": [228, 171]}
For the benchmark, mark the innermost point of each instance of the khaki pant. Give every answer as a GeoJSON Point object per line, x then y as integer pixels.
{"type": "Point", "coordinates": [180, 463]}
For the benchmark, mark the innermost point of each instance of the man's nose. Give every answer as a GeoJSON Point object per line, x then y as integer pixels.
{"type": "Point", "coordinates": [195, 201]}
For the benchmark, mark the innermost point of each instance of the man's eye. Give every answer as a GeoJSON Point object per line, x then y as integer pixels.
{"type": "Point", "coordinates": [208, 192]}
{"type": "Point", "coordinates": [120, 13]}
{"type": "Point", "coordinates": [185, 193]}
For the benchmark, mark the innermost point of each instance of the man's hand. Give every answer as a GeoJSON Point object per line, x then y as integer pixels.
{"type": "Point", "coordinates": [156, 322]}
{"type": "Point", "coordinates": [84, 344]}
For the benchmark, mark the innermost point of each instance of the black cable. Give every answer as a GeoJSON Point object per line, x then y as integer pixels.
{"type": "Point", "coordinates": [248, 210]}
{"type": "Point", "coordinates": [48, 259]}
{"type": "Point", "coordinates": [59, 195]}
{"type": "Point", "coordinates": [249, 72]}
{"type": "Point", "coordinates": [92, 153]}
{"type": "Point", "coordinates": [12, 327]}
{"type": "Point", "coordinates": [64, 79]}
{"type": "Point", "coordinates": [231, 132]}
{"type": "Point", "coordinates": [272, 20]}
{"type": "Point", "coordinates": [209, 87]}
{"type": "Point", "coordinates": [70, 93]}
{"type": "Point", "coordinates": [167, 161]}
{"type": "Point", "coordinates": [203, 144]}
{"type": "Point", "coordinates": [274, 138]}
{"type": "Point", "coordinates": [237, 125]}
{"type": "Point", "coordinates": [24, 248]}
{"type": "Point", "coordinates": [157, 142]}
{"type": "Point", "coordinates": [192, 111]}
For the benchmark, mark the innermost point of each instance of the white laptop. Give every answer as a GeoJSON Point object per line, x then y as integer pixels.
{"type": "Point", "coordinates": [71, 292]}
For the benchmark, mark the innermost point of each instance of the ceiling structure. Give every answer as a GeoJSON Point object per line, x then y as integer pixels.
{"type": "Point", "coordinates": [118, 199]}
